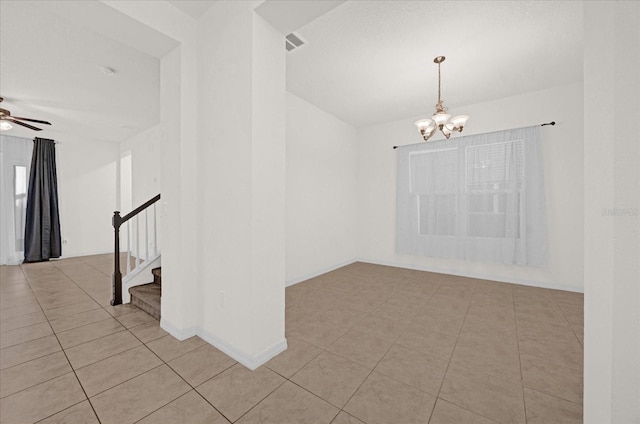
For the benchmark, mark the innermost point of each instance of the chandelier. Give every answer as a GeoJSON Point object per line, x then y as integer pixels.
{"type": "Point", "coordinates": [441, 119]}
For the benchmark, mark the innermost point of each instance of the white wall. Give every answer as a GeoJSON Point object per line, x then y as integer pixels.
{"type": "Point", "coordinates": [145, 150]}
{"type": "Point", "coordinates": [562, 151]}
{"type": "Point", "coordinates": [612, 220]}
{"type": "Point", "coordinates": [241, 112]}
{"type": "Point", "coordinates": [87, 190]}
{"type": "Point", "coordinates": [321, 191]}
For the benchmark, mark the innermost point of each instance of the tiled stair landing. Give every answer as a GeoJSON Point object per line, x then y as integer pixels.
{"type": "Point", "coordinates": [147, 296]}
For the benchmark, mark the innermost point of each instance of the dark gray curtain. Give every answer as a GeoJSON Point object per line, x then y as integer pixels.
{"type": "Point", "coordinates": [42, 225]}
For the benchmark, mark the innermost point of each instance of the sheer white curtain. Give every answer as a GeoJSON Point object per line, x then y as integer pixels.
{"type": "Point", "coordinates": [478, 198]}
{"type": "Point", "coordinates": [15, 161]}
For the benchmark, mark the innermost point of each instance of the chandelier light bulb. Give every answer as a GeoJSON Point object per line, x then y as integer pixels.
{"type": "Point", "coordinates": [441, 119]}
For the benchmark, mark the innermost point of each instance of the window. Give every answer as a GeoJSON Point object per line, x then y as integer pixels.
{"type": "Point", "coordinates": [20, 204]}
{"type": "Point", "coordinates": [494, 178]}
{"type": "Point", "coordinates": [476, 198]}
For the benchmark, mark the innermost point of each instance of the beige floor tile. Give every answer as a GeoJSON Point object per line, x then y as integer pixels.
{"type": "Point", "coordinates": [344, 418]}
{"type": "Point", "coordinates": [414, 368]}
{"type": "Point", "coordinates": [448, 413]}
{"type": "Point", "coordinates": [28, 351]}
{"type": "Point", "coordinates": [298, 354]}
{"type": "Point", "coordinates": [382, 400]}
{"type": "Point", "coordinates": [99, 349]}
{"type": "Point", "coordinates": [363, 302]}
{"type": "Point", "coordinates": [71, 309]}
{"type": "Point", "coordinates": [439, 323]}
{"type": "Point", "coordinates": [340, 315]}
{"type": "Point", "coordinates": [380, 327]}
{"type": "Point", "coordinates": [81, 413]}
{"type": "Point", "coordinates": [545, 375]}
{"type": "Point", "coordinates": [41, 401]}
{"type": "Point", "coordinates": [429, 341]}
{"type": "Point", "coordinates": [20, 310]}
{"type": "Point", "coordinates": [483, 394]}
{"type": "Point", "coordinates": [89, 332]}
{"type": "Point", "coordinates": [190, 405]}
{"type": "Point", "coordinates": [569, 354]}
{"type": "Point", "coordinates": [201, 364]}
{"type": "Point", "coordinates": [547, 313]}
{"type": "Point", "coordinates": [542, 331]}
{"type": "Point", "coordinates": [116, 369]}
{"type": "Point", "coordinates": [22, 321]}
{"type": "Point", "coordinates": [148, 332]}
{"type": "Point", "coordinates": [332, 378]}
{"type": "Point", "coordinates": [169, 348]}
{"type": "Point", "coordinates": [68, 322]}
{"type": "Point", "coordinates": [407, 300]}
{"type": "Point", "coordinates": [29, 374]}
{"type": "Point", "coordinates": [138, 397]}
{"type": "Point", "coordinates": [136, 318]}
{"type": "Point", "coordinates": [63, 299]}
{"type": "Point", "coordinates": [290, 404]}
{"type": "Point", "coordinates": [491, 356]}
{"type": "Point", "coordinates": [318, 333]}
{"type": "Point", "coordinates": [572, 298]}
{"type": "Point", "coordinates": [125, 308]}
{"type": "Point", "coordinates": [18, 300]}
{"type": "Point", "coordinates": [24, 334]}
{"type": "Point", "coordinates": [362, 348]}
{"type": "Point", "coordinates": [396, 312]}
{"type": "Point", "coordinates": [239, 389]}
{"type": "Point", "coordinates": [544, 409]}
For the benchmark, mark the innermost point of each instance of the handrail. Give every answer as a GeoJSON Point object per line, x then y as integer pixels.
{"type": "Point", "coordinates": [139, 209]}
{"type": "Point", "coordinates": [117, 221]}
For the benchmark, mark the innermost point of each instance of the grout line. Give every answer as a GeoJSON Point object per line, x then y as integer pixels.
{"type": "Point", "coordinates": [446, 371]}
{"type": "Point", "coordinates": [515, 316]}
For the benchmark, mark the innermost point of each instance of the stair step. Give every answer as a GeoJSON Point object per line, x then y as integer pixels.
{"type": "Point", "coordinates": [157, 275]}
{"type": "Point", "coordinates": [147, 298]}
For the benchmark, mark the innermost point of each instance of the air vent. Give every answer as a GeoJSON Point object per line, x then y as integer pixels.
{"type": "Point", "coordinates": [293, 41]}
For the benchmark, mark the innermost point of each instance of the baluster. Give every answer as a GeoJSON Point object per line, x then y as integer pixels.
{"type": "Point", "coordinates": [146, 235]}
{"type": "Point", "coordinates": [137, 240]}
{"type": "Point", "coordinates": [155, 232]}
{"type": "Point", "coordinates": [128, 249]}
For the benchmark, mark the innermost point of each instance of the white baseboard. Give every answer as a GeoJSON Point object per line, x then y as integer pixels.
{"type": "Point", "coordinates": [306, 277]}
{"type": "Point", "coordinates": [180, 334]}
{"type": "Point", "coordinates": [512, 280]}
{"type": "Point", "coordinates": [250, 361]}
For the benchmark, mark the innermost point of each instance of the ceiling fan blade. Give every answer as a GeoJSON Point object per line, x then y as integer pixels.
{"type": "Point", "coordinates": [31, 120]}
{"type": "Point", "coordinates": [23, 124]}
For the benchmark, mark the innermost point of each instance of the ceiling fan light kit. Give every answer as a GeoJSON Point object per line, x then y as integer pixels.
{"type": "Point", "coordinates": [6, 120]}
{"type": "Point", "coordinates": [440, 120]}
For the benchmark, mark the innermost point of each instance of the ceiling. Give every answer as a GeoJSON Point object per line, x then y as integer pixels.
{"type": "Point", "coordinates": [194, 8]}
{"type": "Point", "coordinates": [52, 55]}
{"type": "Point", "coordinates": [364, 61]}
{"type": "Point", "coordinates": [372, 61]}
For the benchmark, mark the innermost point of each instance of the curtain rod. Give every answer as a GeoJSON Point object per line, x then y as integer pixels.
{"type": "Point", "coordinates": [542, 125]}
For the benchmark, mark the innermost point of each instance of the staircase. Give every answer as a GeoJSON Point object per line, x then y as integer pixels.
{"type": "Point", "coordinates": [147, 296]}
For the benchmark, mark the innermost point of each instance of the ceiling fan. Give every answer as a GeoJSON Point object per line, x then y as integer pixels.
{"type": "Point", "coordinates": [6, 119]}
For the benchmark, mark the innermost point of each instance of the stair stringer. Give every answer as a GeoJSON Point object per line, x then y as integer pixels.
{"type": "Point", "coordinates": [141, 275]}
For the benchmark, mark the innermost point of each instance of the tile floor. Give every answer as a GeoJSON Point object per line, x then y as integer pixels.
{"type": "Point", "coordinates": [367, 344]}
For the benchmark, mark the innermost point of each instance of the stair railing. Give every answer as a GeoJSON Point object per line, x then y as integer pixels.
{"type": "Point", "coordinates": [117, 221]}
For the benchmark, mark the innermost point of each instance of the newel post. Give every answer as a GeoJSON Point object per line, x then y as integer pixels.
{"type": "Point", "coordinates": [117, 275]}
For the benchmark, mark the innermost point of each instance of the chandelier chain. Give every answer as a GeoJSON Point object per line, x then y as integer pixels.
{"type": "Point", "coordinates": [439, 101]}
